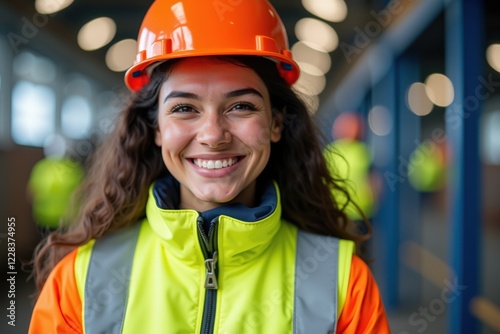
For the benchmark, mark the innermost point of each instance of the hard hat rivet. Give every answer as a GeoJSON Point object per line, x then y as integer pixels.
{"type": "Point", "coordinates": [136, 74]}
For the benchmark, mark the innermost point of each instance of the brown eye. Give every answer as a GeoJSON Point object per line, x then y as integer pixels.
{"type": "Point", "coordinates": [182, 108]}
{"type": "Point", "coordinates": [244, 106]}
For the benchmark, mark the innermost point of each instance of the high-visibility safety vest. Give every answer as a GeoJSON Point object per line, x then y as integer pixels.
{"type": "Point", "coordinates": [165, 274]}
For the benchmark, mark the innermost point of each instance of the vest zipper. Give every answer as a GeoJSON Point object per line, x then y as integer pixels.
{"type": "Point", "coordinates": [208, 245]}
{"type": "Point", "coordinates": [211, 278]}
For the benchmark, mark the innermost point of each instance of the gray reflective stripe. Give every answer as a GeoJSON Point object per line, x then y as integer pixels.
{"type": "Point", "coordinates": [316, 284]}
{"type": "Point", "coordinates": [107, 282]}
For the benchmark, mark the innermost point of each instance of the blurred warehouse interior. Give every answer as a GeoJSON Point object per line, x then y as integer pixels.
{"type": "Point", "coordinates": [408, 90]}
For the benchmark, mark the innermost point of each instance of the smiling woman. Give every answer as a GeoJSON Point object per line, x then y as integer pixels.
{"type": "Point", "coordinates": [209, 208]}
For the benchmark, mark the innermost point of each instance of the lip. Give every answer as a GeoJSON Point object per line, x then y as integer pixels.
{"type": "Point", "coordinates": [215, 156]}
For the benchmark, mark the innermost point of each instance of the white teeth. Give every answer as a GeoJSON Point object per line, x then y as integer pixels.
{"type": "Point", "coordinates": [214, 164]}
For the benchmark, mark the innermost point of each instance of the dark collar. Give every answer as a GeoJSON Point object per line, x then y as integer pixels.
{"type": "Point", "coordinates": [166, 192]}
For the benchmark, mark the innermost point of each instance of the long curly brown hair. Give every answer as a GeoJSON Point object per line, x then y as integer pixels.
{"type": "Point", "coordinates": [115, 191]}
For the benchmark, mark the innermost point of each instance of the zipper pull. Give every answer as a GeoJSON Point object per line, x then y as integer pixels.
{"type": "Point", "coordinates": [211, 279]}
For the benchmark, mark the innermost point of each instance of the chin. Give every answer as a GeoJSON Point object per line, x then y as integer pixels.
{"type": "Point", "coordinates": [215, 198]}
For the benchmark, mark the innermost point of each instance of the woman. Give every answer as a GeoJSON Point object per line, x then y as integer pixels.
{"type": "Point", "coordinates": [210, 207]}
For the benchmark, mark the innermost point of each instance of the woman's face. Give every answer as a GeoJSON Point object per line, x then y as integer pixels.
{"type": "Point", "coordinates": [215, 131]}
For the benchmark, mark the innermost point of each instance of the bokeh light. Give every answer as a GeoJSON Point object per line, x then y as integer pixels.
{"type": "Point", "coordinates": [319, 34]}
{"type": "Point", "coordinates": [311, 60]}
{"type": "Point", "coordinates": [309, 84]}
{"type": "Point", "coordinates": [380, 120]}
{"type": "Point", "coordinates": [51, 6]}
{"type": "Point", "coordinates": [96, 33]}
{"type": "Point", "coordinates": [439, 89]}
{"type": "Point", "coordinates": [493, 56]}
{"type": "Point", "coordinates": [121, 55]}
{"type": "Point", "coordinates": [418, 101]}
{"type": "Point", "coordinates": [330, 10]}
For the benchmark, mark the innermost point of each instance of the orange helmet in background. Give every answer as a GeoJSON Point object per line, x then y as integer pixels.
{"type": "Point", "coordinates": [188, 28]}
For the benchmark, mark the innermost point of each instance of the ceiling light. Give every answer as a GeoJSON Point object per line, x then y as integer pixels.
{"type": "Point", "coordinates": [96, 33]}
{"type": "Point", "coordinates": [317, 33]}
{"type": "Point", "coordinates": [121, 55]}
{"type": "Point", "coordinates": [380, 120]}
{"type": "Point", "coordinates": [439, 89]}
{"type": "Point", "coordinates": [493, 56]}
{"type": "Point", "coordinates": [51, 6]}
{"type": "Point", "coordinates": [330, 10]}
{"type": "Point", "coordinates": [311, 60]}
{"type": "Point", "coordinates": [310, 84]}
{"type": "Point", "coordinates": [418, 101]}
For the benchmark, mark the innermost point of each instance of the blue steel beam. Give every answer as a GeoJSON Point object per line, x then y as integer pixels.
{"type": "Point", "coordinates": [386, 222]}
{"type": "Point", "coordinates": [409, 199]}
{"type": "Point", "coordinates": [397, 220]}
{"type": "Point", "coordinates": [464, 52]}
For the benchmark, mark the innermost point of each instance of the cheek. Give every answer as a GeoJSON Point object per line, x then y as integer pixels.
{"type": "Point", "coordinates": [172, 136]}
{"type": "Point", "coordinates": [258, 135]}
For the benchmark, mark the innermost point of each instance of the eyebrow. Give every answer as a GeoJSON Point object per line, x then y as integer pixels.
{"type": "Point", "coordinates": [243, 91]}
{"type": "Point", "coordinates": [231, 94]}
{"type": "Point", "coordinates": [177, 93]}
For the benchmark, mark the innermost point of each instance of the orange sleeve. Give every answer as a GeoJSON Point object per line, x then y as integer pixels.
{"type": "Point", "coordinates": [58, 308]}
{"type": "Point", "coordinates": [363, 310]}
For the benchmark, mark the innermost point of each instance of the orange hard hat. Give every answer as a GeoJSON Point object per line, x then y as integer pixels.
{"type": "Point", "coordinates": [187, 28]}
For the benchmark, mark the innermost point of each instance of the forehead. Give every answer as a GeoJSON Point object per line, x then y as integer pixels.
{"type": "Point", "coordinates": [212, 72]}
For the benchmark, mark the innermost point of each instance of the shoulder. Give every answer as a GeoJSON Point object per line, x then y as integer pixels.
{"type": "Point", "coordinates": [58, 306]}
{"type": "Point", "coordinates": [363, 310]}
{"type": "Point", "coordinates": [64, 271]}
{"type": "Point", "coordinates": [361, 278]}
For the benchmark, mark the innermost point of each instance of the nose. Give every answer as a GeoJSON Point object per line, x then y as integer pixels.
{"type": "Point", "coordinates": [213, 131]}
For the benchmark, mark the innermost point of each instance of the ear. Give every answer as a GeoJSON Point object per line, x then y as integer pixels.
{"type": "Point", "coordinates": [276, 127]}
{"type": "Point", "coordinates": [158, 137]}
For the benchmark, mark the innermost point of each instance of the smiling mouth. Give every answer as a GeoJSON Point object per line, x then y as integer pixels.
{"type": "Point", "coordinates": [215, 164]}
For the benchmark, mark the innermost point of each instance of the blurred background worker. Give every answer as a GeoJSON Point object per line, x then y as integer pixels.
{"type": "Point", "coordinates": [349, 159]}
{"type": "Point", "coordinates": [427, 169]}
{"type": "Point", "coordinates": [52, 182]}
{"type": "Point", "coordinates": [51, 185]}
